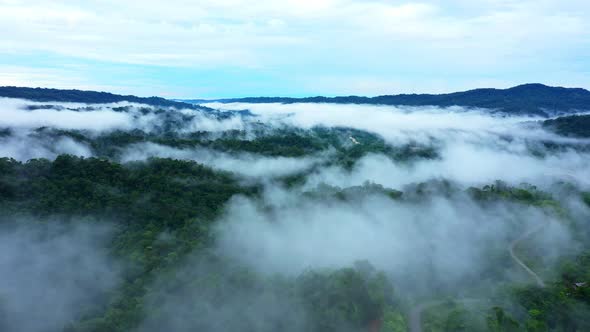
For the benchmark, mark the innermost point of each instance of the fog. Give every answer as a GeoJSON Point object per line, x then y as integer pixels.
{"type": "Point", "coordinates": [475, 146]}
{"type": "Point", "coordinates": [63, 116]}
{"type": "Point", "coordinates": [53, 272]}
{"type": "Point", "coordinates": [246, 164]}
{"type": "Point", "coordinates": [438, 246]}
{"type": "Point", "coordinates": [463, 163]}
{"type": "Point", "coordinates": [397, 124]}
{"type": "Point", "coordinates": [24, 114]}
{"type": "Point", "coordinates": [431, 242]}
{"type": "Point", "coordinates": [441, 245]}
{"type": "Point", "coordinates": [205, 296]}
{"type": "Point", "coordinates": [25, 145]}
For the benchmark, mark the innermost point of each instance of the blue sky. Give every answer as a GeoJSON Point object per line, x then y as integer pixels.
{"type": "Point", "coordinates": [234, 48]}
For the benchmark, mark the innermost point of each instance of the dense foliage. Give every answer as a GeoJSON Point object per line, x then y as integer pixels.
{"type": "Point", "coordinates": [528, 98]}
{"type": "Point", "coordinates": [165, 216]}
{"type": "Point", "coordinates": [79, 96]}
{"type": "Point", "coordinates": [180, 198]}
{"type": "Point", "coordinates": [576, 126]}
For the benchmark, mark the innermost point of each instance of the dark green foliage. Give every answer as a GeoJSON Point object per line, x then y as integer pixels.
{"type": "Point", "coordinates": [526, 193]}
{"type": "Point", "coordinates": [286, 145]}
{"type": "Point", "coordinates": [162, 191]}
{"type": "Point", "coordinates": [210, 293]}
{"type": "Point", "coordinates": [179, 198]}
{"type": "Point", "coordinates": [108, 145]}
{"type": "Point", "coordinates": [335, 142]}
{"type": "Point", "coordinates": [163, 212]}
{"type": "Point", "coordinates": [326, 192]}
{"type": "Point", "coordinates": [345, 299]}
{"type": "Point", "coordinates": [431, 188]}
{"type": "Point", "coordinates": [528, 98]}
{"type": "Point", "coordinates": [576, 125]}
{"type": "Point", "coordinates": [163, 209]}
{"type": "Point", "coordinates": [499, 321]}
{"type": "Point", "coordinates": [145, 200]}
{"type": "Point", "coordinates": [78, 96]}
{"type": "Point", "coordinates": [563, 305]}
{"type": "Point", "coordinates": [5, 132]}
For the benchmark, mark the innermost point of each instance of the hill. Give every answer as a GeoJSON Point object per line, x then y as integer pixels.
{"type": "Point", "coordinates": [523, 99]}
{"type": "Point", "coordinates": [79, 96]}
{"type": "Point", "coordinates": [575, 126]}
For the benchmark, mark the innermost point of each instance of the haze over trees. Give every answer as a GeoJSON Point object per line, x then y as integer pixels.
{"type": "Point", "coordinates": [460, 212]}
{"type": "Point", "coordinates": [523, 99]}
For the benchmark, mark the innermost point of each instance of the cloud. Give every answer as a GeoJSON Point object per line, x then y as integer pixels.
{"type": "Point", "coordinates": [387, 121]}
{"type": "Point", "coordinates": [204, 122]}
{"type": "Point", "coordinates": [397, 124]}
{"type": "Point", "coordinates": [380, 40]}
{"type": "Point", "coordinates": [52, 273]}
{"type": "Point", "coordinates": [24, 146]}
{"type": "Point", "coordinates": [250, 165]}
{"type": "Point", "coordinates": [432, 245]}
{"type": "Point", "coordinates": [428, 244]}
{"type": "Point", "coordinates": [24, 114]}
{"type": "Point", "coordinates": [463, 163]}
{"type": "Point", "coordinates": [474, 145]}
{"type": "Point", "coordinates": [14, 116]}
{"type": "Point", "coordinates": [211, 296]}
{"type": "Point", "coordinates": [235, 31]}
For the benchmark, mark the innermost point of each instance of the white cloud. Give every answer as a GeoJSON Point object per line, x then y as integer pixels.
{"type": "Point", "coordinates": [440, 240]}
{"type": "Point", "coordinates": [250, 165]}
{"type": "Point", "coordinates": [389, 121]}
{"type": "Point", "coordinates": [52, 272]}
{"type": "Point", "coordinates": [12, 115]}
{"type": "Point", "coordinates": [105, 117]}
{"type": "Point", "coordinates": [23, 146]}
{"type": "Point", "coordinates": [472, 144]}
{"type": "Point", "coordinates": [246, 34]}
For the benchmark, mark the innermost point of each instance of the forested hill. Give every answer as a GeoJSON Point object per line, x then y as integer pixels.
{"type": "Point", "coordinates": [87, 97]}
{"type": "Point", "coordinates": [523, 99]}
{"type": "Point", "coordinates": [575, 125]}
{"type": "Point", "coordinates": [528, 98]}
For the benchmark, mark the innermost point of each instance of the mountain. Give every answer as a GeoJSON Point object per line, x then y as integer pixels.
{"type": "Point", "coordinates": [88, 97]}
{"type": "Point", "coordinates": [523, 99]}
{"type": "Point", "coordinates": [536, 99]}
{"type": "Point", "coordinates": [574, 126]}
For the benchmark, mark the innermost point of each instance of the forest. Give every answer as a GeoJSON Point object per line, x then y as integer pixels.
{"type": "Point", "coordinates": [135, 215]}
{"type": "Point", "coordinates": [527, 98]}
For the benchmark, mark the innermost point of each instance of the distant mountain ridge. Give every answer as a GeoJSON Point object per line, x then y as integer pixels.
{"type": "Point", "coordinates": [523, 99]}
{"type": "Point", "coordinates": [536, 99]}
{"type": "Point", "coordinates": [88, 97]}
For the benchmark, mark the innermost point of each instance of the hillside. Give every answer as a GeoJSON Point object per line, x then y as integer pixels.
{"type": "Point", "coordinates": [523, 99]}
{"type": "Point", "coordinates": [575, 125]}
{"type": "Point", "coordinates": [529, 98]}
{"type": "Point", "coordinates": [80, 96]}
{"type": "Point", "coordinates": [265, 218]}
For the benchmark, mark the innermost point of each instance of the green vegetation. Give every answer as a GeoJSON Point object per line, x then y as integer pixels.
{"type": "Point", "coordinates": [165, 215]}
{"type": "Point", "coordinates": [527, 98]}
{"type": "Point", "coordinates": [78, 96]}
{"type": "Point", "coordinates": [565, 304]}
{"type": "Point", "coordinates": [179, 198]}
{"type": "Point", "coordinates": [345, 146]}
{"type": "Point", "coordinates": [575, 126]}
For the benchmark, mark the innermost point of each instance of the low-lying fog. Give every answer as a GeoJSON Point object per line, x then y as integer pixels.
{"type": "Point", "coordinates": [436, 244]}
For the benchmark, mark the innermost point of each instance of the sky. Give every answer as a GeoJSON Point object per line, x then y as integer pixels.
{"type": "Point", "coordinates": [237, 48]}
